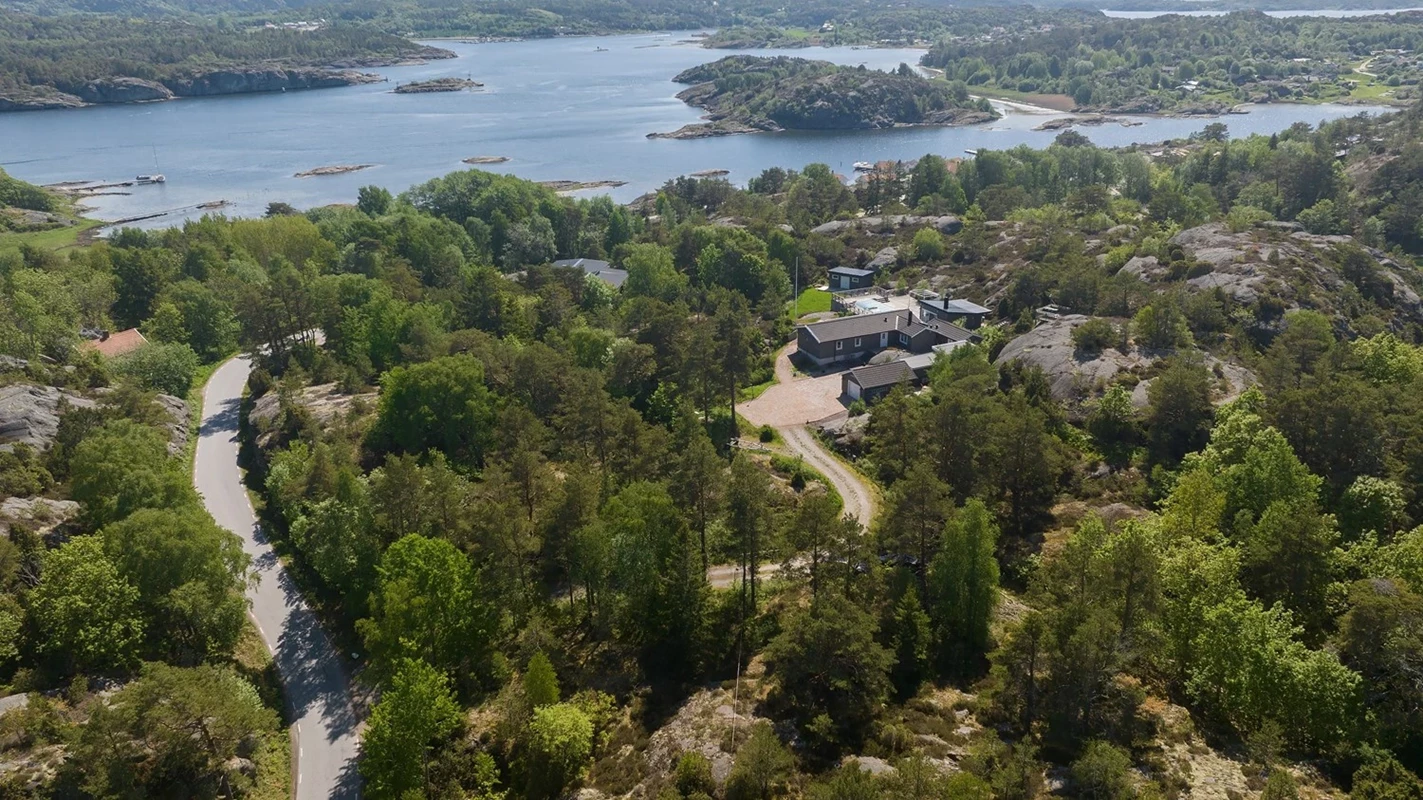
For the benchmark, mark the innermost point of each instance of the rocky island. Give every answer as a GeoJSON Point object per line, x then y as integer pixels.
{"type": "Point", "coordinates": [438, 85]}
{"type": "Point", "coordinates": [745, 94]}
{"type": "Point", "coordinates": [339, 169]}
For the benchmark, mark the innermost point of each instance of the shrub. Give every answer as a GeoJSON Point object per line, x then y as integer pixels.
{"type": "Point", "coordinates": [1102, 772]}
{"type": "Point", "coordinates": [560, 740]}
{"type": "Point", "coordinates": [694, 775]}
{"type": "Point", "coordinates": [166, 368]}
{"type": "Point", "coordinates": [768, 434]}
{"type": "Point", "coordinates": [928, 245]}
{"type": "Point", "coordinates": [1094, 335]}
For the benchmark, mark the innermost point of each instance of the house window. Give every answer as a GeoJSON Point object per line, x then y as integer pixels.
{"type": "Point", "coordinates": [857, 341]}
{"type": "Point", "coordinates": [903, 339]}
{"type": "Point", "coordinates": [840, 345]}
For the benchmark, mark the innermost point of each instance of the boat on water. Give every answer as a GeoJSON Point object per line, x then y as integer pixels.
{"type": "Point", "coordinates": [971, 152]}
{"type": "Point", "coordinates": [142, 179]}
{"type": "Point", "coordinates": [864, 166]}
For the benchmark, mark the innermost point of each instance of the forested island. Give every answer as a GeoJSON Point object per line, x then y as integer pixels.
{"type": "Point", "coordinates": [72, 61]}
{"type": "Point", "coordinates": [749, 93]}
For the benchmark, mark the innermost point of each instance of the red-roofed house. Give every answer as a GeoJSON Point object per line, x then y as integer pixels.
{"type": "Point", "coordinates": [113, 345]}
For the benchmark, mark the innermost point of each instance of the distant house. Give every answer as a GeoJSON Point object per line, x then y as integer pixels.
{"type": "Point", "coordinates": [113, 345]}
{"type": "Point", "coordinates": [846, 278]}
{"type": "Point", "coordinates": [601, 270]}
{"type": "Point", "coordinates": [960, 312]}
{"type": "Point", "coordinates": [858, 337]}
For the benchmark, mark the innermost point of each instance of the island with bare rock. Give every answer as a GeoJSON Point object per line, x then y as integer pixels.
{"type": "Point", "coordinates": [339, 169]}
{"type": "Point", "coordinates": [485, 159]}
{"type": "Point", "coordinates": [746, 94]}
{"type": "Point", "coordinates": [438, 85]}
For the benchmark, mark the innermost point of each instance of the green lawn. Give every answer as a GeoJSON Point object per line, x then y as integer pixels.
{"type": "Point", "coordinates": [812, 301]}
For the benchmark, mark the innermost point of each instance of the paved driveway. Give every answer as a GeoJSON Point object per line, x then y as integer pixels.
{"type": "Point", "coordinates": [796, 399]}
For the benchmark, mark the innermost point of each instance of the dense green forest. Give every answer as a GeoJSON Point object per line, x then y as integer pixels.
{"type": "Point", "coordinates": [1168, 62]}
{"type": "Point", "coordinates": [800, 94]}
{"type": "Point", "coordinates": [503, 484]}
{"type": "Point", "coordinates": [41, 55]}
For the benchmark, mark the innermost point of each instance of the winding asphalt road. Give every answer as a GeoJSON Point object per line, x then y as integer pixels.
{"type": "Point", "coordinates": [317, 690]}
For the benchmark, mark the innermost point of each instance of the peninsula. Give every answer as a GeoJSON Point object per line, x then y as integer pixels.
{"type": "Point", "coordinates": [743, 94]}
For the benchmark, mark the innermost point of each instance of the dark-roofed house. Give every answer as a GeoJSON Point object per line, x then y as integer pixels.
{"type": "Point", "coordinates": [856, 338]}
{"type": "Point", "coordinates": [872, 382]}
{"type": "Point", "coordinates": [845, 278]}
{"type": "Point", "coordinates": [602, 270]}
{"type": "Point", "coordinates": [961, 312]}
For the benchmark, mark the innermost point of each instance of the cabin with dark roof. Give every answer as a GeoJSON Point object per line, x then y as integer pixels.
{"type": "Point", "coordinates": [856, 338]}
{"type": "Point", "coordinates": [847, 278]}
{"type": "Point", "coordinates": [870, 383]}
{"type": "Point", "coordinates": [963, 313]}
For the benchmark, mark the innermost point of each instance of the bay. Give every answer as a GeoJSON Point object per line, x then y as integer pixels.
{"type": "Point", "coordinates": [559, 109]}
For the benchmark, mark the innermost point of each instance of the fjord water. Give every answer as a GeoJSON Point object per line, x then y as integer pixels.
{"type": "Point", "coordinates": [563, 109]}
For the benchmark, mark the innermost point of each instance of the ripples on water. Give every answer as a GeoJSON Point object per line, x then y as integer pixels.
{"type": "Point", "coordinates": [558, 109]}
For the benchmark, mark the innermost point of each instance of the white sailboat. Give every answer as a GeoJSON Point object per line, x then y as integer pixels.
{"type": "Point", "coordinates": [156, 177]}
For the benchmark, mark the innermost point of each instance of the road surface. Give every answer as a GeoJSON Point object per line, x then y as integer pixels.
{"type": "Point", "coordinates": [317, 689]}
{"type": "Point", "coordinates": [859, 501]}
{"type": "Point", "coordinates": [788, 412]}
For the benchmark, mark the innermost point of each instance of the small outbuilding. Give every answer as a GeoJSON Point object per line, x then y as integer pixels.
{"type": "Point", "coordinates": [848, 278]}
{"type": "Point", "coordinates": [113, 345]}
{"type": "Point", "coordinates": [872, 382]}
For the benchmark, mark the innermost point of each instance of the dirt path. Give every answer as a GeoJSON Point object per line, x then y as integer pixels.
{"type": "Point", "coordinates": [859, 500]}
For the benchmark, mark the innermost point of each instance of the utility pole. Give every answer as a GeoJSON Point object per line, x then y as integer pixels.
{"type": "Point", "coordinates": [795, 302]}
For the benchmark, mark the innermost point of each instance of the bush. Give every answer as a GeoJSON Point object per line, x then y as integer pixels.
{"type": "Point", "coordinates": [1102, 772]}
{"type": "Point", "coordinates": [928, 245]}
{"type": "Point", "coordinates": [166, 368]}
{"type": "Point", "coordinates": [560, 740]}
{"type": "Point", "coordinates": [1094, 335]}
{"type": "Point", "coordinates": [858, 408]}
{"type": "Point", "coordinates": [694, 775]}
{"type": "Point", "coordinates": [768, 434]}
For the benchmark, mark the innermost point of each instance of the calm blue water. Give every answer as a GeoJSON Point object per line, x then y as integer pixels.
{"type": "Point", "coordinates": [559, 109]}
{"type": "Point", "coordinates": [1331, 13]}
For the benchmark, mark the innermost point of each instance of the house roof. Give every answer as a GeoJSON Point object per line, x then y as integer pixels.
{"type": "Point", "coordinates": [585, 264]}
{"type": "Point", "coordinates": [876, 376]}
{"type": "Point", "coordinates": [599, 269]}
{"type": "Point", "coordinates": [963, 307]}
{"type": "Point", "coordinates": [858, 325]}
{"type": "Point", "coordinates": [950, 331]}
{"type": "Point", "coordinates": [954, 306]}
{"type": "Point", "coordinates": [117, 344]}
{"type": "Point", "coordinates": [852, 272]}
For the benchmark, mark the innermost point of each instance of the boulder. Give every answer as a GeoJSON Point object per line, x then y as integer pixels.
{"type": "Point", "coordinates": [947, 224]}
{"type": "Point", "coordinates": [884, 258]}
{"type": "Point", "coordinates": [1071, 375]}
{"type": "Point", "coordinates": [123, 90]}
{"type": "Point", "coordinates": [29, 414]}
{"type": "Point", "coordinates": [43, 101]}
{"type": "Point", "coordinates": [1147, 268]}
{"type": "Point", "coordinates": [39, 514]}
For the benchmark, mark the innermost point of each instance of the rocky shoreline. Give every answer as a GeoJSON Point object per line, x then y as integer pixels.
{"type": "Point", "coordinates": [238, 80]}
{"type": "Point", "coordinates": [251, 79]}
{"type": "Point", "coordinates": [947, 118]}
{"type": "Point", "coordinates": [578, 186]}
{"type": "Point", "coordinates": [339, 169]}
{"type": "Point", "coordinates": [438, 85]}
